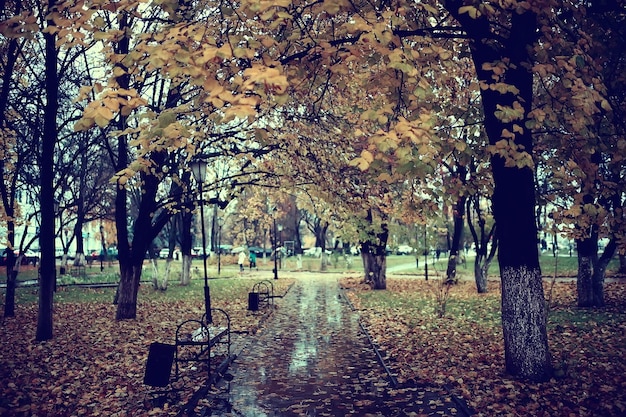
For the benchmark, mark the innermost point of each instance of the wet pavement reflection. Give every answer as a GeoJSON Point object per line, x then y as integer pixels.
{"type": "Point", "coordinates": [314, 360]}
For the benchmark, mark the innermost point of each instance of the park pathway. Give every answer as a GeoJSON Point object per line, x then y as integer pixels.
{"type": "Point", "coordinates": [313, 359]}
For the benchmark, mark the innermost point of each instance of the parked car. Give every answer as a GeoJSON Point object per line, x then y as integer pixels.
{"type": "Point", "coordinates": [197, 252]}
{"type": "Point", "coordinates": [165, 252]}
{"type": "Point", "coordinates": [404, 250]}
{"type": "Point", "coordinates": [316, 252]}
{"type": "Point", "coordinates": [30, 257]}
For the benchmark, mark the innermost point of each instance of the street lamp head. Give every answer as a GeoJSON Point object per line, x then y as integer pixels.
{"type": "Point", "coordinates": [198, 169]}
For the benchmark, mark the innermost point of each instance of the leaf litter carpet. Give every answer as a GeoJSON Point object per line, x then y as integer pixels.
{"type": "Point", "coordinates": [314, 360]}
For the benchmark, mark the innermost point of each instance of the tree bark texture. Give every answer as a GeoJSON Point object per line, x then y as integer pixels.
{"type": "Point", "coordinates": [130, 275]}
{"type": "Point", "coordinates": [374, 255]}
{"type": "Point", "coordinates": [524, 319]}
{"type": "Point", "coordinates": [375, 266]}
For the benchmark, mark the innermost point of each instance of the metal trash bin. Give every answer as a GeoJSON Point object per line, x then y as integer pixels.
{"type": "Point", "coordinates": [253, 301]}
{"type": "Point", "coordinates": [159, 365]}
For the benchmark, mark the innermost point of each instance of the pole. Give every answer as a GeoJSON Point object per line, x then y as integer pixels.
{"type": "Point", "coordinates": [219, 247]}
{"type": "Point", "coordinates": [425, 255]}
{"type": "Point", "coordinates": [275, 250]}
{"type": "Point", "coordinates": [103, 247]}
{"type": "Point", "coordinates": [207, 293]}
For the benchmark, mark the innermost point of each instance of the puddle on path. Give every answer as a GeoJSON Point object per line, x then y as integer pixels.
{"type": "Point", "coordinates": [313, 360]}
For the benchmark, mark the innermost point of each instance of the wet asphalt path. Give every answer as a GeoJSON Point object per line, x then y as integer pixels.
{"type": "Point", "coordinates": [314, 360]}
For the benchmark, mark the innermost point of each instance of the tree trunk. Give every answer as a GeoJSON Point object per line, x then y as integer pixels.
{"type": "Point", "coordinates": [524, 311]}
{"type": "Point", "coordinates": [622, 264]}
{"type": "Point", "coordinates": [587, 259]}
{"type": "Point", "coordinates": [130, 275]}
{"type": "Point", "coordinates": [374, 255]}
{"type": "Point", "coordinates": [8, 187]}
{"type": "Point", "coordinates": [376, 271]}
{"type": "Point", "coordinates": [9, 298]}
{"type": "Point", "coordinates": [480, 273]}
{"type": "Point", "coordinates": [155, 275]}
{"type": "Point", "coordinates": [524, 323]}
{"type": "Point", "coordinates": [320, 241]}
{"type": "Point", "coordinates": [144, 233]}
{"type": "Point", "coordinates": [185, 278]}
{"type": "Point", "coordinates": [186, 221]}
{"type": "Point", "coordinates": [592, 270]}
{"type": "Point", "coordinates": [79, 259]}
{"type": "Point", "coordinates": [166, 274]}
{"type": "Point", "coordinates": [457, 236]}
{"type": "Point", "coordinates": [46, 199]}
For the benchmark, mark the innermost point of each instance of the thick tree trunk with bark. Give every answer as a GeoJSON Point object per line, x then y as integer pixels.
{"type": "Point", "coordinates": [130, 276]}
{"type": "Point", "coordinates": [592, 271]}
{"type": "Point", "coordinates": [374, 254]}
{"type": "Point", "coordinates": [524, 319]}
{"type": "Point", "coordinates": [524, 311]}
{"type": "Point", "coordinates": [375, 265]}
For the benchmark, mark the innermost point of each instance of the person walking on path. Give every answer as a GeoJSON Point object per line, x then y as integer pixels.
{"type": "Point", "coordinates": [314, 359]}
{"type": "Point", "coordinates": [252, 261]}
{"type": "Point", "coordinates": [241, 260]}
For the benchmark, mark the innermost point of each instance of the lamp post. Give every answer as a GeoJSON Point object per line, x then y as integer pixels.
{"type": "Point", "coordinates": [280, 246]}
{"type": "Point", "coordinates": [220, 222]}
{"type": "Point", "coordinates": [198, 168]}
{"type": "Point", "coordinates": [275, 245]}
{"type": "Point", "coordinates": [103, 247]}
{"type": "Point", "coordinates": [425, 255]}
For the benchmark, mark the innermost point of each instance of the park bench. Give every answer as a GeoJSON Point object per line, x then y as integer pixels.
{"type": "Point", "coordinates": [78, 271]}
{"type": "Point", "coordinates": [196, 341]}
{"type": "Point", "coordinates": [262, 295]}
